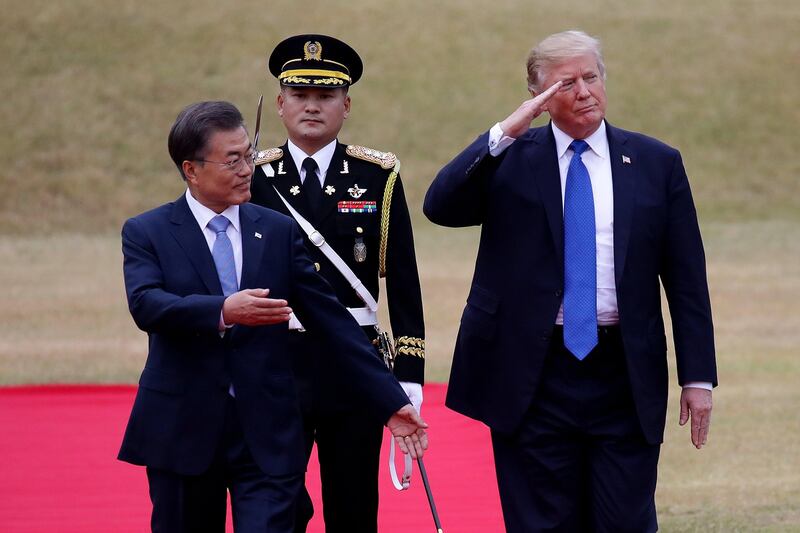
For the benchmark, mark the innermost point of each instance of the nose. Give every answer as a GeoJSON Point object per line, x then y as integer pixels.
{"type": "Point", "coordinates": [312, 105]}
{"type": "Point", "coordinates": [581, 89]}
{"type": "Point", "coordinates": [246, 167]}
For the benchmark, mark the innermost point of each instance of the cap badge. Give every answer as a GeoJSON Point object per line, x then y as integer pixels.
{"type": "Point", "coordinates": [312, 50]}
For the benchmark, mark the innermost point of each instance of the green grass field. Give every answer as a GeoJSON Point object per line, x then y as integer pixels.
{"type": "Point", "coordinates": [90, 88]}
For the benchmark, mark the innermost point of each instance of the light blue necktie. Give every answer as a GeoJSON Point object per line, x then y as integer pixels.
{"type": "Point", "coordinates": [222, 252]}
{"type": "Point", "coordinates": [580, 258]}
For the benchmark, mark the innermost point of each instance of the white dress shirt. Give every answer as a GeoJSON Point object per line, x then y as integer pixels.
{"type": "Point", "coordinates": [323, 158]}
{"type": "Point", "coordinates": [598, 163]}
{"type": "Point", "coordinates": [203, 216]}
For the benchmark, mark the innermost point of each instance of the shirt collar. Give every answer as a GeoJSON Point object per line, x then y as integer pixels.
{"type": "Point", "coordinates": [323, 156]}
{"type": "Point", "coordinates": [203, 215]}
{"type": "Point", "coordinates": [597, 141]}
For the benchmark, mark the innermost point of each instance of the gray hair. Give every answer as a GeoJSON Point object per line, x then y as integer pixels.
{"type": "Point", "coordinates": [557, 48]}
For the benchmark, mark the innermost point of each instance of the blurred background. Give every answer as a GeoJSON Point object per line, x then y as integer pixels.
{"type": "Point", "coordinates": [89, 89]}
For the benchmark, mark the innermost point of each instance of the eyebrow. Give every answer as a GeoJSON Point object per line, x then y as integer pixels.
{"type": "Point", "coordinates": [236, 152]}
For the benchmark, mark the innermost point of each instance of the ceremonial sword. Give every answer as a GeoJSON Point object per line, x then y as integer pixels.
{"type": "Point", "coordinates": [258, 123]}
{"type": "Point", "coordinates": [424, 475]}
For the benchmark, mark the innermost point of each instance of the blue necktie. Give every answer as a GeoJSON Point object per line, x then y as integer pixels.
{"type": "Point", "coordinates": [580, 259]}
{"type": "Point", "coordinates": [222, 252]}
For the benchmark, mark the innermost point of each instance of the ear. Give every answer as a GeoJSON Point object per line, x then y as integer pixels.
{"type": "Point", "coordinates": [279, 103]}
{"type": "Point", "coordinates": [190, 171]}
{"type": "Point", "coordinates": [346, 105]}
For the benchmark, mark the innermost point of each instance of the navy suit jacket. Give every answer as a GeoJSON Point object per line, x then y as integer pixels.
{"type": "Point", "coordinates": [518, 283]}
{"type": "Point", "coordinates": [175, 296]}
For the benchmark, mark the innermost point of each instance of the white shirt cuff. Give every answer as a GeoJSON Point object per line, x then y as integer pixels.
{"type": "Point", "coordinates": [698, 385]}
{"type": "Point", "coordinates": [498, 141]}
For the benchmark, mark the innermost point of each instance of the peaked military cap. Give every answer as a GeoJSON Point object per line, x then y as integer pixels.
{"type": "Point", "coordinates": [314, 60]}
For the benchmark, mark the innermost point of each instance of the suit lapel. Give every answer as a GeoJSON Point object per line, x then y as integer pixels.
{"type": "Point", "coordinates": [543, 162]}
{"type": "Point", "coordinates": [623, 163]}
{"type": "Point", "coordinates": [254, 235]}
{"type": "Point", "coordinates": [190, 237]}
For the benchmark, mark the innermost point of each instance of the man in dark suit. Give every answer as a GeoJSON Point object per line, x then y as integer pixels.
{"type": "Point", "coordinates": [210, 278]}
{"type": "Point", "coordinates": [354, 198]}
{"type": "Point", "coordinates": [561, 350]}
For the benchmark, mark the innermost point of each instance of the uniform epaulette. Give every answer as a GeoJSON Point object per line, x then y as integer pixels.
{"type": "Point", "coordinates": [267, 156]}
{"type": "Point", "coordinates": [386, 160]}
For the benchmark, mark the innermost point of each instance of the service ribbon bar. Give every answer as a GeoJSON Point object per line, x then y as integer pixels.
{"type": "Point", "coordinates": [349, 206]}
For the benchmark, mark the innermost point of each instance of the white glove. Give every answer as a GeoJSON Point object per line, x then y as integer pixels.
{"type": "Point", "coordinates": [414, 393]}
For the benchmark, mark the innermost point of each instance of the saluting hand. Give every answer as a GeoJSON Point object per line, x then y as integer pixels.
{"type": "Point", "coordinates": [251, 307]}
{"type": "Point", "coordinates": [520, 120]}
{"type": "Point", "coordinates": [408, 430]}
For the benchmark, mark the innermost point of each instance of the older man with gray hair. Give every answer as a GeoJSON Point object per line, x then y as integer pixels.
{"type": "Point", "coordinates": [562, 350]}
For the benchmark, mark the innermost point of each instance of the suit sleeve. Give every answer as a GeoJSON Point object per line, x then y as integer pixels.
{"type": "Point", "coordinates": [458, 196]}
{"type": "Point", "coordinates": [685, 284]}
{"type": "Point", "coordinates": [403, 292]}
{"type": "Point", "coordinates": [318, 308]}
{"type": "Point", "coordinates": [153, 308]}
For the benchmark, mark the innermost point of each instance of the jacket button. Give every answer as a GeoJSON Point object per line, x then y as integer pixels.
{"type": "Point", "coordinates": [359, 229]}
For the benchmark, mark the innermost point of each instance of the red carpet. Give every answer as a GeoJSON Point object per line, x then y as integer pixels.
{"type": "Point", "coordinates": [58, 470]}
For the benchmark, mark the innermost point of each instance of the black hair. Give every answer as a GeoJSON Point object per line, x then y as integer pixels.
{"type": "Point", "coordinates": [194, 126]}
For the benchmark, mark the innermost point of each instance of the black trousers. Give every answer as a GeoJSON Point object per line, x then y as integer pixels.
{"type": "Point", "coordinates": [197, 504]}
{"type": "Point", "coordinates": [348, 437]}
{"type": "Point", "coordinates": [579, 461]}
{"type": "Point", "coordinates": [348, 449]}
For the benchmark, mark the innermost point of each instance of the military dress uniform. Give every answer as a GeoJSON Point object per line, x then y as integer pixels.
{"type": "Point", "coordinates": [362, 200]}
{"type": "Point", "coordinates": [361, 212]}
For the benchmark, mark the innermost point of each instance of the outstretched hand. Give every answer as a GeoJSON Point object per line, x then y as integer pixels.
{"type": "Point", "coordinates": [520, 120]}
{"type": "Point", "coordinates": [251, 307]}
{"type": "Point", "coordinates": [409, 432]}
{"type": "Point", "coordinates": [696, 403]}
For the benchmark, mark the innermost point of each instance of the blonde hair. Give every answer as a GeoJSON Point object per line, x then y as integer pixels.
{"type": "Point", "coordinates": [557, 48]}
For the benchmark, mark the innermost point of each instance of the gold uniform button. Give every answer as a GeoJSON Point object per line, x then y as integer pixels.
{"type": "Point", "coordinates": [359, 229]}
{"type": "Point", "coordinates": [316, 266]}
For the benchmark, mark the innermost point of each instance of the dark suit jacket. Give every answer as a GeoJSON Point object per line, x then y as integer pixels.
{"type": "Point", "coordinates": [175, 296]}
{"type": "Point", "coordinates": [518, 283]}
{"type": "Point", "coordinates": [342, 229]}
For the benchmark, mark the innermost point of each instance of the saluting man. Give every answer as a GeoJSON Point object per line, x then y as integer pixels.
{"type": "Point", "coordinates": [352, 197]}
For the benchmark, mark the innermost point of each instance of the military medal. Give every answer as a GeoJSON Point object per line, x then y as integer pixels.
{"type": "Point", "coordinates": [329, 190]}
{"type": "Point", "coordinates": [355, 191]}
{"type": "Point", "coordinates": [360, 250]}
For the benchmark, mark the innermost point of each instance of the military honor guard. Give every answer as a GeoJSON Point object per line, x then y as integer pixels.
{"type": "Point", "coordinates": [349, 201]}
